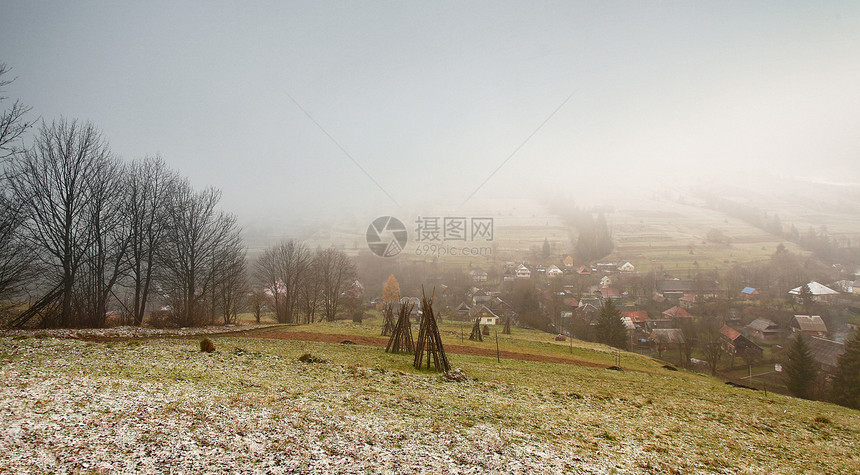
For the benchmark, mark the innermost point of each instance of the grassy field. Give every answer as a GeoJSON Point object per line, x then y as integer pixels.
{"type": "Point", "coordinates": [662, 233]}
{"type": "Point", "coordinates": [158, 404]}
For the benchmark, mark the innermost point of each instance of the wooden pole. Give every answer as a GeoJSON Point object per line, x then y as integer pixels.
{"type": "Point", "coordinates": [498, 356]}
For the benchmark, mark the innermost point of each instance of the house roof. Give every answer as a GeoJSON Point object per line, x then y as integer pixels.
{"type": "Point", "coordinates": [748, 290]}
{"type": "Point", "coordinates": [816, 289]}
{"type": "Point", "coordinates": [826, 352]}
{"type": "Point", "coordinates": [762, 324]}
{"type": "Point", "coordinates": [810, 323]}
{"type": "Point", "coordinates": [553, 268]}
{"type": "Point", "coordinates": [609, 292]}
{"type": "Point", "coordinates": [689, 298]}
{"type": "Point", "coordinates": [481, 310]}
{"type": "Point", "coordinates": [628, 323]}
{"type": "Point", "coordinates": [677, 312]}
{"type": "Point", "coordinates": [667, 335]}
{"type": "Point", "coordinates": [730, 333]}
{"type": "Point", "coordinates": [477, 272]}
{"type": "Point", "coordinates": [636, 316]}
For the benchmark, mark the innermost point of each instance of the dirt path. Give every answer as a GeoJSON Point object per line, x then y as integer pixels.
{"type": "Point", "coordinates": [382, 342]}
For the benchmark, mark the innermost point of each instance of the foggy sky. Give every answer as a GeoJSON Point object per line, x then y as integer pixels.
{"type": "Point", "coordinates": [431, 97]}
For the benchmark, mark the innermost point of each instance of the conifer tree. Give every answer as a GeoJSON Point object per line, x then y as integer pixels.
{"type": "Point", "coordinates": [846, 382]}
{"type": "Point", "coordinates": [609, 328]}
{"type": "Point", "coordinates": [799, 368]}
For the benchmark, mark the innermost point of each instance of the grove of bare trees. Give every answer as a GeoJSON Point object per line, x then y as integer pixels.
{"type": "Point", "coordinates": [85, 234]}
{"type": "Point", "coordinates": [299, 283]}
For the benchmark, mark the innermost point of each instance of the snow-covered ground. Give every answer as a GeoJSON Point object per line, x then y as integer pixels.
{"type": "Point", "coordinates": [66, 409]}
{"type": "Point", "coordinates": [161, 406]}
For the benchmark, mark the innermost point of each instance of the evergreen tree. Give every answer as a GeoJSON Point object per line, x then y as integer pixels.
{"type": "Point", "coordinates": [799, 367]}
{"type": "Point", "coordinates": [609, 328]}
{"type": "Point", "coordinates": [806, 298]}
{"type": "Point", "coordinates": [846, 382]}
{"type": "Point", "coordinates": [546, 249]}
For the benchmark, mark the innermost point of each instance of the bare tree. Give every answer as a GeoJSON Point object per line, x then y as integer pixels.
{"type": "Point", "coordinates": [709, 338]}
{"type": "Point", "coordinates": [230, 280]}
{"type": "Point", "coordinates": [267, 272]}
{"type": "Point", "coordinates": [16, 255]}
{"type": "Point", "coordinates": [148, 192]}
{"type": "Point", "coordinates": [53, 180]}
{"type": "Point", "coordinates": [311, 289]}
{"type": "Point", "coordinates": [12, 123]}
{"type": "Point", "coordinates": [196, 231]}
{"type": "Point", "coordinates": [107, 242]}
{"type": "Point", "coordinates": [283, 269]}
{"type": "Point", "coordinates": [337, 272]}
{"type": "Point", "coordinates": [257, 299]}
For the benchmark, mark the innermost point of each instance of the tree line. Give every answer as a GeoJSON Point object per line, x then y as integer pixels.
{"type": "Point", "coordinates": [302, 286]}
{"type": "Point", "coordinates": [87, 232]}
{"type": "Point", "coordinates": [83, 232]}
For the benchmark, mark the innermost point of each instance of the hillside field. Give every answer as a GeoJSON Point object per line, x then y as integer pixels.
{"type": "Point", "coordinates": [159, 404]}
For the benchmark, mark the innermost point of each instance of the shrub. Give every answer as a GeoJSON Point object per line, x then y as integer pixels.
{"type": "Point", "coordinates": [207, 345]}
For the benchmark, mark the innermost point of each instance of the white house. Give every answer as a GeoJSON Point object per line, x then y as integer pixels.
{"type": "Point", "coordinates": [627, 267]}
{"type": "Point", "coordinates": [554, 271]}
{"type": "Point", "coordinates": [523, 272]}
{"type": "Point", "coordinates": [819, 292]}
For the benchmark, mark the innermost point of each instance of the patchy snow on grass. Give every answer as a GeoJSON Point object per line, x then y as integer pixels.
{"type": "Point", "coordinates": [160, 405]}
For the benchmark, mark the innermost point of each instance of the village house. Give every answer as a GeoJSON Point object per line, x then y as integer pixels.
{"type": "Point", "coordinates": [627, 267]}
{"type": "Point", "coordinates": [523, 272]}
{"type": "Point", "coordinates": [568, 262]}
{"type": "Point", "coordinates": [610, 293]}
{"type": "Point", "coordinates": [688, 301]}
{"type": "Point", "coordinates": [677, 313]}
{"type": "Point", "coordinates": [763, 329]}
{"type": "Point", "coordinates": [667, 339]}
{"type": "Point", "coordinates": [812, 325]}
{"type": "Point", "coordinates": [554, 272]}
{"type": "Point", "coordinates": [749, 293]}
{"type": "Point", "coordinates": [463, 309]}
{"type": "Point", "coordinates": [825, 352]}
{"type": "Point", "coordinates": [636, 316]}
{"type": "Point", "coordinates": [485, 314]}
{"type": "Point", "coordinates": [606, 281]}
{"type": "Point", "coordinates": [820, 293]}
{"type": "Point", "coordinates": [735, 344]}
